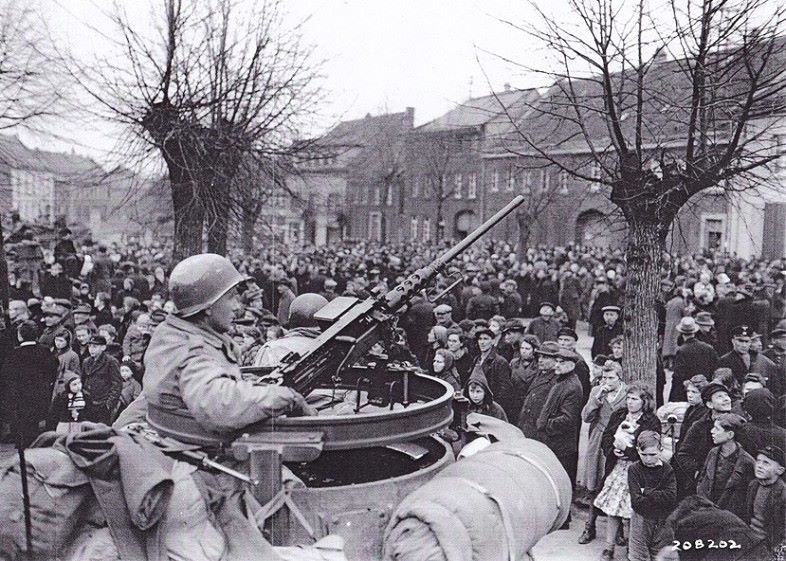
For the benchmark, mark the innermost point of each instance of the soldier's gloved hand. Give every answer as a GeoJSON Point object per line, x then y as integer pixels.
{"type": "Point", "coordinates": [300, 408]}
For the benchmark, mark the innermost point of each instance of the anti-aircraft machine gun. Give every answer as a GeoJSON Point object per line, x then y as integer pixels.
{"type": "Point", "coordinates": [372, 442]}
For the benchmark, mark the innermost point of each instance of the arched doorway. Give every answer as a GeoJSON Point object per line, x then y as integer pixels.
{"type": "Point", "coordinates": [593, 228]}
{"type": "Point", "coordinates": [465, 222]}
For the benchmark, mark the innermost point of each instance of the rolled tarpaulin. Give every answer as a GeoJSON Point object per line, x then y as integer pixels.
{"type": "Point", "coordinates": [493, 506]}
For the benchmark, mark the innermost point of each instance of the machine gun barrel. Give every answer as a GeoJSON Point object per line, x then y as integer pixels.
{"type": "Point", "coordinates": [349, 337]}
{"type": "Point", "coordinates": [418, 280]}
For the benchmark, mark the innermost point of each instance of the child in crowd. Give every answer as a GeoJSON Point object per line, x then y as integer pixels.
{"type": "Point", "coordinates": [766, 500]}
{"type": "Point", "coordinates": [653, 495]}
{"type": "Point", "coordinates": [131, 388]}
{"type": "Point", "coordinates": [481, 400]}
{"type": "Point", "coordinates": [67, 406]}
{"type": "Point", "coordinates": [728, 469]}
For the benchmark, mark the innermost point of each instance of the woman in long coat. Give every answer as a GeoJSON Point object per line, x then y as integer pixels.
{"type": "Point", "coordinates": [605, 398]}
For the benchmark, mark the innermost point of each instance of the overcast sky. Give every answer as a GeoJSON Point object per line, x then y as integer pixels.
{"type": "Point", "coordinates": [380, 55]}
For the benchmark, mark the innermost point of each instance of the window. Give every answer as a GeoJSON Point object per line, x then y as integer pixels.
{"type": "Point", "coordinates": [333, 202]}
{"type": "Point", "coordinates": [545, 179]}
{"type": "Point", "coordinates": [511, 185]}
{"type": "Point", "coordinates": [377, 195]}
{"type": "Point", "coordinates": [389, 196]}
{"type": "Point", "coordinates": [563, 182]}
{"type": "Point", "coordinates": [495, 181]}
{"type": "Point", "coordinates": [426, 229]}
{"type": "Point", "coordinates": [472, 187]}
{"type": "Point", "coordinates": [413, 228]}
{"type": "Point", "coordinates": [375, 226]}
{"type": "Point", "coordinates": [416, 187]}
{"type": "Point", "coordinates": [526, 181]}
{"type": "Point", "coordinates": [595, 173]}
{"type": "Point", "coordinates": [456, 188]}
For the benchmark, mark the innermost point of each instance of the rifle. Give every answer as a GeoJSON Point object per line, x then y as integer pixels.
{"type": "Point", "coordinates": [357, 325]}
{"type": "Point", "coordinates": [188, 453]}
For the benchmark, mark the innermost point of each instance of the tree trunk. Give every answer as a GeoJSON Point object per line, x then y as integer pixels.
{"type": "Point", "coordinates": [247, 228]}
{"type": "Point", "coordinates": [219, 230]}
{"type": "Point", "coordinates": [4, 288]}
{"type": "Point", "coordinates": [525, 231]}
{"type": "Point", "coordinates": [189, 216]}
{"type": "Point", "coordinates": [644, 255]}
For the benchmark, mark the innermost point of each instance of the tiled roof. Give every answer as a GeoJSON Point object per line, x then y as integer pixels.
{"type": "Point", "coordinates": [477, 111]}
{"type": "Point", "coordinates": [66, 167]}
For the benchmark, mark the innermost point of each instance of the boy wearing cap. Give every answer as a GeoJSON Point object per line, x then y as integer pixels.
{"type": "Point", "coordinates": [728, 469]}
{"type": "Point", "coordinates": [766, 499]}
{"type": "Point", "coordinates": [693, 450]}
{"type": "Point", "coordinates": [102, 382]}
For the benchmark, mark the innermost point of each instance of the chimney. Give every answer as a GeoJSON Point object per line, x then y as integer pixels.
{"type": "Point", "coordinates": [409, 120]}
{"type": "Point", "coordinates": [506, 86]}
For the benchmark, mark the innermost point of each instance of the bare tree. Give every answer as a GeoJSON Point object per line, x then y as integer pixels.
{"type": "Point", "coordinates": [220, 84]}
{"type": "Point", "coordinates": [30, 85]}
{"type": "Point", "coordinates": [663, 106]}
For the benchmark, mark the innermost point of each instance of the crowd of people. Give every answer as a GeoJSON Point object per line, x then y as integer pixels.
{"type": "Point", "coordinates": [505, 336]}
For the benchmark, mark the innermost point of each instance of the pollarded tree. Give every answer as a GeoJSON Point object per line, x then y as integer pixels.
{"type": "Point", "coordinates": [220, 83]}
{"type": "Point", "coordinates": [659, 106]}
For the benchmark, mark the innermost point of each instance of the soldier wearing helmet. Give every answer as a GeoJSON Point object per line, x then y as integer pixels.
{"type": "Point", "coordinates": [192, 385]}
{"type": "Point", "coordinates": [303, 330]}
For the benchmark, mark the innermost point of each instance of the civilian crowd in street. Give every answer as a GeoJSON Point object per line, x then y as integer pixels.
{"type": "Point", "coordinates": [79, 321]}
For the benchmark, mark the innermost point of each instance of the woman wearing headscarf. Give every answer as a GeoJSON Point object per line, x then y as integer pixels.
{"type": "Point", "coordinates": [443, 367]}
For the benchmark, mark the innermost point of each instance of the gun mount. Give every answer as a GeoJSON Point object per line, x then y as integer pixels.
{"type": "Point", "coordinates": [372, 441]}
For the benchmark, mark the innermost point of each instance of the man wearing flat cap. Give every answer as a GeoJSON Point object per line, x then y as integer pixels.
{"type": "Point", "coordinates": [741, 361]}
{"type": "Point", "coordinates": [539, 388]}
{"type": "Point", "coordinates": [608, 330]}
{"type": "Point", "coordinates": [54, 319]}
{"type": "Point", "coordinates": [559, 421]}
{"type": "Point", "coordinates": [443, 315]}
{"type": "Point", "coordinates": [545, 327]}
{"type": "Point", "coordinates": [697, 444]}
{"type": "Point", "coordinates": [102, 382]}
{"type": "Point", "coordinates": [693, 357]}
{"type": "Point", "coordinates": [495, 368]}
{"type": "Point", "coordinates": [567, 339]}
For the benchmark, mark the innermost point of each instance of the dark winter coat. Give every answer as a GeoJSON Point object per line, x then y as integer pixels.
{"type": "Point", "coordinates": [489, 406]}
{"type": "Point", "coordinates": [534, 401]}
{"type": "Point", "coordinates": [735, 488]}
{"type": "Point", "coordinates": [758, 363]}
{"type": "Point", "coordinates": [521, 376]}
{"type": "Point", "coordinates": [559, 421]}
{"type": "Point", "coordinates": [482, 306]}
{"type": "Point", "coordinates": [603, 335]}
{"type": "Point", "coordinates": [647, 421]}
{"type": "Point", "coordinates": [693, 357]}
{"type": "Point", "coordinates": [102, 387]}
{"type": "Point", "coordinates": [693, 451]}
{"type": "Point", "coordinates": [497, 371]}
{"type": "Point", "coordinates": [544, 330]}
{"type": "Point", "coordinates": [653, 490]}
{"type": "Point", "coordinates": [775, 507]}
{"type": "Point", "coordinates": [27, 379]}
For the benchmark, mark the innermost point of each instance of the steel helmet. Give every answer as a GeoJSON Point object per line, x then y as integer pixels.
{"type": "Point", "coordinates": [197, 282]}
{"type": "Point", "coordinates": [303, 308]}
